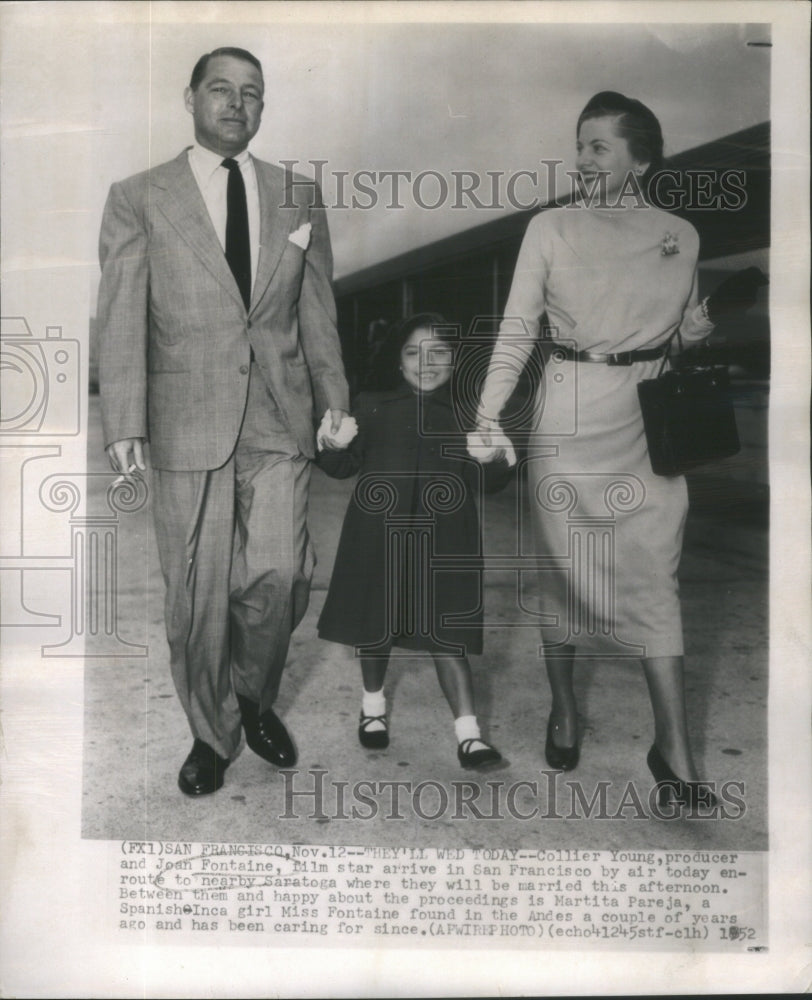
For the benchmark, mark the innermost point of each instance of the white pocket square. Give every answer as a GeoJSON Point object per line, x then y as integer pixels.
{"type": "Point", "coordinates": [302, 236]}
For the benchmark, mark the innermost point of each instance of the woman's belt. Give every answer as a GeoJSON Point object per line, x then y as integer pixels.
{"type": "Point", "coordinates": [624, 358]}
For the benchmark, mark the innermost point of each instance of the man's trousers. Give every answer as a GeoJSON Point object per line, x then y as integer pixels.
{"type": "Point", "coordinates": [237, 562]}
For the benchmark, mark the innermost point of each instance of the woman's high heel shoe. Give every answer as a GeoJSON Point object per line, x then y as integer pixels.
{"type": "Point", "coordinates": [560, 758]}
{"type": "Point", "coordinates": [671, 789]}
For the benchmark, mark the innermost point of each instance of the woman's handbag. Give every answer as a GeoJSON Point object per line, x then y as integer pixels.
{"type": "Point", "coordinates": [688, 416]}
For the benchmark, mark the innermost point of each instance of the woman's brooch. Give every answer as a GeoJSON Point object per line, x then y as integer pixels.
{"type": "Point", "coordinates": [669, 245]}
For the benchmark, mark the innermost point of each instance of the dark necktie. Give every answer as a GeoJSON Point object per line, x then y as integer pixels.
{"type": "Point", "coordinates": [238, 246]}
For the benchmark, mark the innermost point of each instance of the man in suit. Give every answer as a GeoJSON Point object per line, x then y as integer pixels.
{"type": "Point", "coordinates": [217, 338]}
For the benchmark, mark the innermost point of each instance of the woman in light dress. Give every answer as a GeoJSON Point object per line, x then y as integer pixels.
{"type": "Point", "coordinates": [615, 277]}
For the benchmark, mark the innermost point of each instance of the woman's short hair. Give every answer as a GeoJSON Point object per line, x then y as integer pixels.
{"type": "Point", "coordinates": [636, 123]}
{"type": "Point", "coordinates": [386, 362]}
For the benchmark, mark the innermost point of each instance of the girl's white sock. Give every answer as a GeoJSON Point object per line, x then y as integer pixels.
{"type": "Point", "coordinates": [466, 728]}
{"type": "Point", "coordinates": [374, 703]}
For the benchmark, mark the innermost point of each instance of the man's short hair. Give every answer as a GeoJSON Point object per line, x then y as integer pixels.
{"type": "Point", "coordinates": [200, 66]}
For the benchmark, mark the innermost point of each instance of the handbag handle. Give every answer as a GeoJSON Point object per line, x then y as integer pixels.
{"type": "Point", "coordinates": [667, 354]}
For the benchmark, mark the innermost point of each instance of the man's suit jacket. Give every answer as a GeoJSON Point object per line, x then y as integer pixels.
{"type": "Point", "coordinates": [175, 336]}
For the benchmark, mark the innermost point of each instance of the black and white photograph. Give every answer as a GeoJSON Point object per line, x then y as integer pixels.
{"type": "Point", "coordinates": [405, 432]}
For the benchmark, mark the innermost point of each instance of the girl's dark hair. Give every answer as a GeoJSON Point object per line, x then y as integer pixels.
{"type": "Point", "coordinates": [636, 123]}
{"type": "Point", "coordinates": [386, 362]}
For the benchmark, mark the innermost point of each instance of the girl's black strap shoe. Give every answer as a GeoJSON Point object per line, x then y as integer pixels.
{"type": "Point", "coordinates": [373, 739]}
{"type": "Point", "coordinates": [484, 756]}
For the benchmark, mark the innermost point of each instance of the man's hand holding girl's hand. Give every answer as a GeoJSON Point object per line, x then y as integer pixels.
{"type": "Point", "coordinates": [489, 443]}
{"type": "Point", "coordinates": [336, 430]}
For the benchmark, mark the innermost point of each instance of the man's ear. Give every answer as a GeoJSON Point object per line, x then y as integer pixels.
{"type": "Point", "coordinates": [189, 100]}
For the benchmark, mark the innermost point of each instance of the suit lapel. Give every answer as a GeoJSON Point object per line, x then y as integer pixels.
{"type": "Point", "coordinates": [181, 202]}
{"type": "Point", "coordinates": [275, 225]}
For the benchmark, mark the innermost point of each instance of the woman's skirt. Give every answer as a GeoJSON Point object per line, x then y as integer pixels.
{"type": "Point", "coordinates": [608, 531]}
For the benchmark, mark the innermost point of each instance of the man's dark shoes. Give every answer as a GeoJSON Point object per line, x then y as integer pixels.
{"type": "Point", "coordinates": [266, 735]}
{"type": "Point", "coordinates": [203, 771]}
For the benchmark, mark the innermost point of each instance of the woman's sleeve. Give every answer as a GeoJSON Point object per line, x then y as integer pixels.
{"type": "Point", "coordinates": [695, 325]}
{"type": "Point", "coordinates": [520, 325]}
{"type": "Point", "coordinates": [346, 462]}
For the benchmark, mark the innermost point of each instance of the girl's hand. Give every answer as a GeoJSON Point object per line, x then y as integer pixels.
{"type": "Point", "coordinates": [487, 445]}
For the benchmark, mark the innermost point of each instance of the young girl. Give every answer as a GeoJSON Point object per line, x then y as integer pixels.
{"type": "Point", "coordinates": [413, 508]}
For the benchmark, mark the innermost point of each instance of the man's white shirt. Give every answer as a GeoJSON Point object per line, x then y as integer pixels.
{"type": "Point", "coordinates": [212, 179]}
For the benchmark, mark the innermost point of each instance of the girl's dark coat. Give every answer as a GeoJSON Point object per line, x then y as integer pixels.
{"type": "Point", "coordinates": [415, 475]}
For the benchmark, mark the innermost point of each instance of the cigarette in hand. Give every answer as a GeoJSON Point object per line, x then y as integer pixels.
{"type": "Point", "coordinates": [124, 476]}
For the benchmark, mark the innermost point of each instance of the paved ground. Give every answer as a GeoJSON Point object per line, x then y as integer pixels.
{"type": "Point", "coordinates": [136, 736]}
